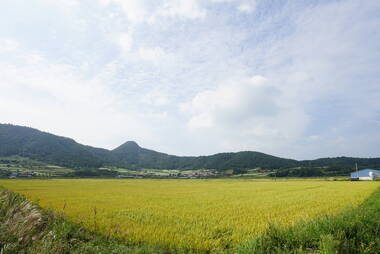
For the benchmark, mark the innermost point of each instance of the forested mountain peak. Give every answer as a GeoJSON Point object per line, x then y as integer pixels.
{"type": "Point", "coordinates": [127, 146]}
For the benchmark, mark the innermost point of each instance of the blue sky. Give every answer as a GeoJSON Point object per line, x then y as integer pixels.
{"type": "Point", "coordinates": [297, 79]}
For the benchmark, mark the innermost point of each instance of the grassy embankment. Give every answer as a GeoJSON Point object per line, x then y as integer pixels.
{"type": "Point", "coordinates": [25, 228]}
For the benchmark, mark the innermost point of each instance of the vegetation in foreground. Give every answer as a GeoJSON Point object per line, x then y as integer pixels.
{"type": "Point", "coordinates": [202, 215]}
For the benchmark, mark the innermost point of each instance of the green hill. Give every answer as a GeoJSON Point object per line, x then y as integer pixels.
{"type": "Point", "coordinates": [42, 146]}
{"type": "Point", "coordinates": [62, 151]}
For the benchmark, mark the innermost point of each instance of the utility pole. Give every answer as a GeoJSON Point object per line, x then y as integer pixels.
{"type": "Point", "coordinates": [357, 172]}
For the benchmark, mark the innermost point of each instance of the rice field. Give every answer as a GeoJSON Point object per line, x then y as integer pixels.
{"type": "Point", "coordinates": [190, 214]}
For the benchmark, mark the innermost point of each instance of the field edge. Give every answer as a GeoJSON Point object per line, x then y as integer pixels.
{"type": "Point", "coordinates": [350, 231]}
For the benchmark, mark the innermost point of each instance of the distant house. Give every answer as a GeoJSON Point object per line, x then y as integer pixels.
{"type": "Point", "coordinates": [365, 174]}
{"type": "Point", "coordinates": [13, 176]}
{"type": "Point", "coordinates": [121, 176]}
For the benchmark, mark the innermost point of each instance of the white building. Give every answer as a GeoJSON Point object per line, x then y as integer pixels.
{"type": "Point", "coordinates": [365, 174]}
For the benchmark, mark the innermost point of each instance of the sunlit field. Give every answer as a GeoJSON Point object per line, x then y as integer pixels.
{"type": "Point", "coordinates": [190, 214]}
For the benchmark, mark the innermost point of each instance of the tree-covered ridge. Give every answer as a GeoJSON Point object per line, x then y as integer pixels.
{"type": "Point", "coordinates": [42, 146]}
{"type": "Point", "coordinates": [49, 148]}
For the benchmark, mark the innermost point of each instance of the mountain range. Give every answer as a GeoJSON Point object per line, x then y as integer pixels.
{"type": "Point", "coordinates": [62, 151]}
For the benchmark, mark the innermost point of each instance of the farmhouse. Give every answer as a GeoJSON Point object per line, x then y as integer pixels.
{"type": "Point", "coordinates": [365, 174]}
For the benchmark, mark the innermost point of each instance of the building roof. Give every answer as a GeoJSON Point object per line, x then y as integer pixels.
{"type": "Point", "coordinates": [364, 172]}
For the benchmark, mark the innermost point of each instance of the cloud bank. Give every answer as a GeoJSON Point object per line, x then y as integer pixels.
{"type": "Point", "coordinates": [296, 79]}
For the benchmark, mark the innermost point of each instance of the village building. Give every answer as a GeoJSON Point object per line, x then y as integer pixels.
{"type": "Point", "coordinates": [365, 174]}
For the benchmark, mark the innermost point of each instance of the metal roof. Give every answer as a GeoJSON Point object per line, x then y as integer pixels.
{"type": "Point", "coordinates": [364, 172]}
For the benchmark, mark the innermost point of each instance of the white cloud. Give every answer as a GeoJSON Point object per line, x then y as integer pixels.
{"type": "Point", "coordinates": [234, 100]}
{"type": "Point", "coordinates": [156, 98]}
{"type": "Point", "coordinates": [67, 4]}
{"type": "Point", "coordinates": [190, 9]}
{"type": "Point", "coordinates": [56, 98]}
{"type": "Point", "coordinates": [244, 6]}
{"type": "Point", "coordinates": [247, 7]}
{"type": "Point", "coordinates": [249, 112]}
{"type": "Point", "coordinates": [125, 41]}
{"type": "Point", "coordinates": [136, 10]}
{"type": "Point", "coordinates": [151, 54]}
{"type": "Point", "coordinates": [8, 45]}
{"type": "Point", "coordinates": [140, 11]}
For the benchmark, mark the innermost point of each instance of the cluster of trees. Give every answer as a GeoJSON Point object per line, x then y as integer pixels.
{"type": "Point", "coordinates": [339, 162]}
{"type": "Point", "coordinates": [310, 171]}
{"type": "Point", "coordinates": [92, 173]}
{"type": "Point", "coordinates": [4, 173]}
{"type": "Point", "coordinates": [297, 172]}
{"type": "Point", "coordinates": [21, 162]}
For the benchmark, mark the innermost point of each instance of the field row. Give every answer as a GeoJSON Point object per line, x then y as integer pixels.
{"type": "Point", "coordinates": [191, 214]}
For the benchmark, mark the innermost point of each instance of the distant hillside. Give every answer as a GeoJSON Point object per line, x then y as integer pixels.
{"type": "Point", "coordinates": [133, 154]}
{"type": "Point", "coordinates": [49, 148]}
{"type": "Point", "coordinates": [42, 146]}
{"type": "Point", "coordinates": [342, 161]}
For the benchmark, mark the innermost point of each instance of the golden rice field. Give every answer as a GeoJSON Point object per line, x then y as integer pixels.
{"type": "Point", "coordinates": [197, 214]}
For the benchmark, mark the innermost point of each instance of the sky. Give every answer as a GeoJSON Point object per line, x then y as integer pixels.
{"type": "Point", "coordinates": [297, 79]}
